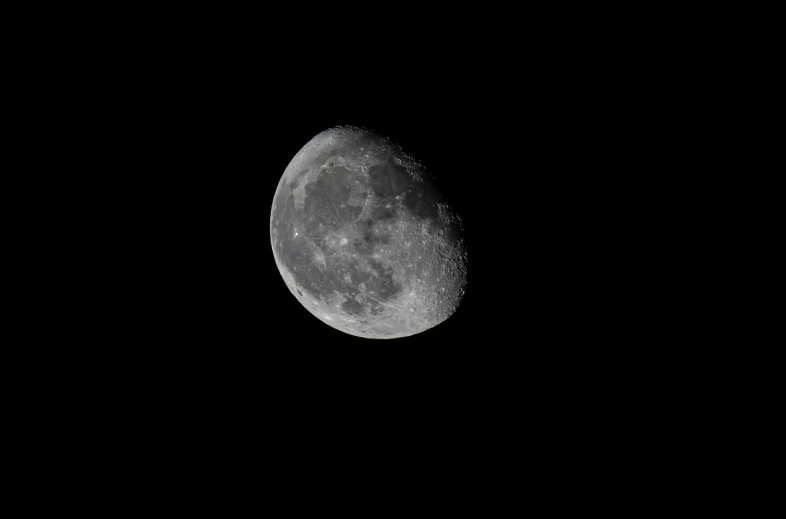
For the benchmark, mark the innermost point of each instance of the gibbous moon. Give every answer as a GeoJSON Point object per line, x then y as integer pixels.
{"type": "Point", "coordinates": [364, 239]}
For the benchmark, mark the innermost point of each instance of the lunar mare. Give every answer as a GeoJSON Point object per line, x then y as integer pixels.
{"type": "Point", "coordinates": [364, 239]}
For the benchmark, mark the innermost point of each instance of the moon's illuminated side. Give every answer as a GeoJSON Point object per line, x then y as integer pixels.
{"type": "Point", "coordinates": [364, 239]}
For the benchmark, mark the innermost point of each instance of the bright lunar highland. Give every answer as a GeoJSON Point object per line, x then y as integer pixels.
{"type": "Point", "coordinates": [364, 239]}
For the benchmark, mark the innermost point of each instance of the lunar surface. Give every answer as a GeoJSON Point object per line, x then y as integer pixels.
{"type": "Point", "coordinates": [364, 239]}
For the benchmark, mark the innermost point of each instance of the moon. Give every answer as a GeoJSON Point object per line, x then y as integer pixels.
{"type": "Point", "coordinates": [364, 238]}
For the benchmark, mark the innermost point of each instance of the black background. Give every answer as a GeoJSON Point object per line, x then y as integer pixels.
{"type": "Point", "coordinates": [564, 180]}
{"type": "Point", "coordinates": [563, 157]}
{"type": "Point", "coordinates": [567, 181]}
{"type": "Point", "coordinates": [570, 143]}
{"type": "Point", "coordinates": [568, 149]}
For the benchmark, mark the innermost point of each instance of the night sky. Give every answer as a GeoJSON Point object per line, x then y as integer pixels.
{"type": "Point", "coordinates": [571, 157]}
{"type": "Point", "coordinates": [565, 200]}
{"type": "Point", "coordinates": [565, 168]}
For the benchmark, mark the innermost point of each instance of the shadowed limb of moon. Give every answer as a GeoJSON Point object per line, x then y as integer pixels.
{"type": "Point", "coordinates": [364, 239]}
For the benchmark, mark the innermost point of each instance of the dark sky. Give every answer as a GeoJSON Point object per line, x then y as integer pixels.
{"type": "Point", "coordinates": [564, 162]}
{"type": "Point", "coordinates": [564, 187]}
{"type": "Point", "coordinates": [568, 149]}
